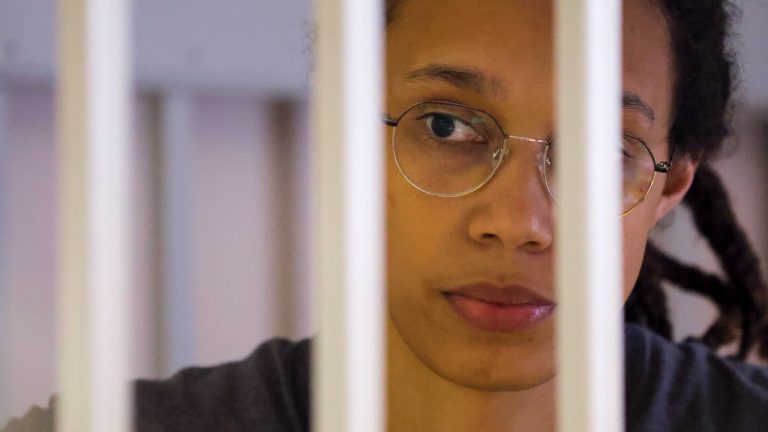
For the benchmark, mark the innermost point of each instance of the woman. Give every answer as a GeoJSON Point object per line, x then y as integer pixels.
{"type": "Point", "coordinates": [471, 235]}
{"type": "Point", "coordinates": [450, 257]}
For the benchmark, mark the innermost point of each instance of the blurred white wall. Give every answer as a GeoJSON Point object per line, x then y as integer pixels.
{"type": "Point", "coordinates": [27, 280]}
{"type": "Point", "coordinates": [236, 74]}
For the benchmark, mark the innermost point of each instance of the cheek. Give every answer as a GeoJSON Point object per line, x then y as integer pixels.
{"type": "Point", "coordinates": [424, 241]}
{"type": "Point", "coordinates": [633, 249]}
{"type": "Point", "coordinates": [635, 228]}
{"type": "Point", "coordinates": [416, 227]}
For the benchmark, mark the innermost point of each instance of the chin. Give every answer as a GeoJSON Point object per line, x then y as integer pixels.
{"type": "Point", "coordinates": [507, 384]}
{"type": "Point", "coordinates": [497, 376]}
{"type": "Point", "coordinates": [495, 364]}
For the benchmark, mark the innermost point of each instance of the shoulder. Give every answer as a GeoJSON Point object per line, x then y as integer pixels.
{"type": "Point", "coordinates": [267, 391]}
{"type": "Point", "coordinates": [687, 387]}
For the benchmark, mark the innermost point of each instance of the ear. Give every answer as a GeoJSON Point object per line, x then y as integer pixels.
{"type": "Point", "coordinates": [678, 181]}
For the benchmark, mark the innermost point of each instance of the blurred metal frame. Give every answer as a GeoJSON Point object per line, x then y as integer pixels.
{"type": "Point", "coordinates": [4, 138]}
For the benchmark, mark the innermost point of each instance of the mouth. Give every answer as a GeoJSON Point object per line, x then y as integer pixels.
{"type": "Point", "coordinates": [500, 309]}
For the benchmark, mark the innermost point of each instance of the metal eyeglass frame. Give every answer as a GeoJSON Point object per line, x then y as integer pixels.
{"type": "Point", "coordinates": [658, 167]}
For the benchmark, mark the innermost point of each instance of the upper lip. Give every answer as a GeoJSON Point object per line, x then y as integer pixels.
{"type": "Point", "coordinates": [510, 294]}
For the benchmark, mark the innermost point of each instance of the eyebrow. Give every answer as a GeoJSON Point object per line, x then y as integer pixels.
{"type": "Point", "coordinates": [466, 78]}
{"type": "Point", "coordinates": [634, 102]}
{"type": "Point", "coordinates": [474, 80]}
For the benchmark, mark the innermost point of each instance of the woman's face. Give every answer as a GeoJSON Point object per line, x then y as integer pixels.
{"type": "Point", "coordinates": [502, 235]}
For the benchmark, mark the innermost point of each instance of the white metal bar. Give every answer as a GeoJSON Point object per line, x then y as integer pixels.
{"type": "Point", "coordinates": [93, 255]}
{"type": "Point", "coordinates": [348, 159]}
{"type": "Point", "coordinates": [589, 253]}
{"type": "Point", "coordinates": [178, 334]}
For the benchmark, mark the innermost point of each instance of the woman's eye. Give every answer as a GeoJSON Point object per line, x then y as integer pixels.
{"type": "Point", "coordinates": [624, 150]}
{"type": "Point", "coordinates": [449, 128]}
{"type": "Point", "coordinates": [631, 147]}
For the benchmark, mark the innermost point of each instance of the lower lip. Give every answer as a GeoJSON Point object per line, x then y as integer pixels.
{"type": "Point", "coordinates": [494, 317]}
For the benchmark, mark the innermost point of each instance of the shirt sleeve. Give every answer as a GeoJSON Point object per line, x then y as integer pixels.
{"type": "Point", "coordinates": [37, 419]}
{"type": "Point", "coordinates": [266, 392]}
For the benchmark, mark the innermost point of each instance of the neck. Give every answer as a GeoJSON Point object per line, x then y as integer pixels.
{"type": "Point", "coordinates": [420, 400]}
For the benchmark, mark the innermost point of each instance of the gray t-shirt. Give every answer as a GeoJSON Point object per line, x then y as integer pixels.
{"type": "Point", "coordinates": [669, 387]}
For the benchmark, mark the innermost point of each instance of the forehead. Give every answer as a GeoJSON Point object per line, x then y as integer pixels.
{"type": "Point", "coordinates": [511, 42]}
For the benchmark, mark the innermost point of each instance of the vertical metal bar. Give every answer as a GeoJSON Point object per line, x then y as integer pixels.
{"type": "Point", "coordinates": [348, 159]}
{"type": "Point", "coordinates": [178, 336]}
{"type": "Point", "coordinates": [93, 255]}
{"type": "Point", "coordinates": [4, 143]}
{"type": "Point", "coordinates": [283, 154]}
{"type": "Point", "coordinates": [151, 155]}
{"type": "Point", "coordinates": [589, 254]}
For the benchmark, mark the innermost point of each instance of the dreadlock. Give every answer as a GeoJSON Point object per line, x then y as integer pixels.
{"type": "Point", "coordinates": [740, 296]}
{"type": "Point", "coordinates": [704, 76]}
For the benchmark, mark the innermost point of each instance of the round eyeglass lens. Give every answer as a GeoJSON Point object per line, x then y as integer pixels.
{"type": "Point", "coordinates": [637, 169]}
{"type": "Point", "coordinates": [445, 149]}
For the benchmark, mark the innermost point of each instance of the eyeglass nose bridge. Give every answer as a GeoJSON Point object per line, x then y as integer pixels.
{"type": "Point", "coordinates": [501, 153]}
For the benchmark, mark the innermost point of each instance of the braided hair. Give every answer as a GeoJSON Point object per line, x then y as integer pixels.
{"type": "Point", "coordinates": [740, 297]}
{"type": "Point", "coordinates": [704, 78]}
{"type": "Point", "coordinates": [704, 70]}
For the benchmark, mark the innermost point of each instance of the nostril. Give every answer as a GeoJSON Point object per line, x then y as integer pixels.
{"type": "Point", "coordinates": [491, 239]}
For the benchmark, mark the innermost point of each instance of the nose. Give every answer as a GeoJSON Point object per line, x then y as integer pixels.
{"type": "Point", "coordinates": [514, 211]}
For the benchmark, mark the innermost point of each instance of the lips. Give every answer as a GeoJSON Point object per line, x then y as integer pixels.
{"type": "Point", "coordinates": [495, 308]}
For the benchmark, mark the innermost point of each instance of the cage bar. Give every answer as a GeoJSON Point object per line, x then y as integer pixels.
{"type": "Point", "coordinates": [348, 217]}
{"type": "Point", "coordinates": [589, 279]}
{"type": "Point", "coordinates": [176, 308]}
{"type": "Point", "coordinates": [4, 321]}
{"type": "Point", "coordinates": [93, 185]}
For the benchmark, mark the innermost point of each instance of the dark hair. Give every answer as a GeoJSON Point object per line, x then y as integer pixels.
{"type": "Point", "coordinates": [704, 70]}
{"type": "Point", "coordinates": [705, 73]}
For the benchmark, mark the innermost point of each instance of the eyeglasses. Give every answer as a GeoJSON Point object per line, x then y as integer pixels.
{"type": "Point", "coordinates": [448, 149]}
